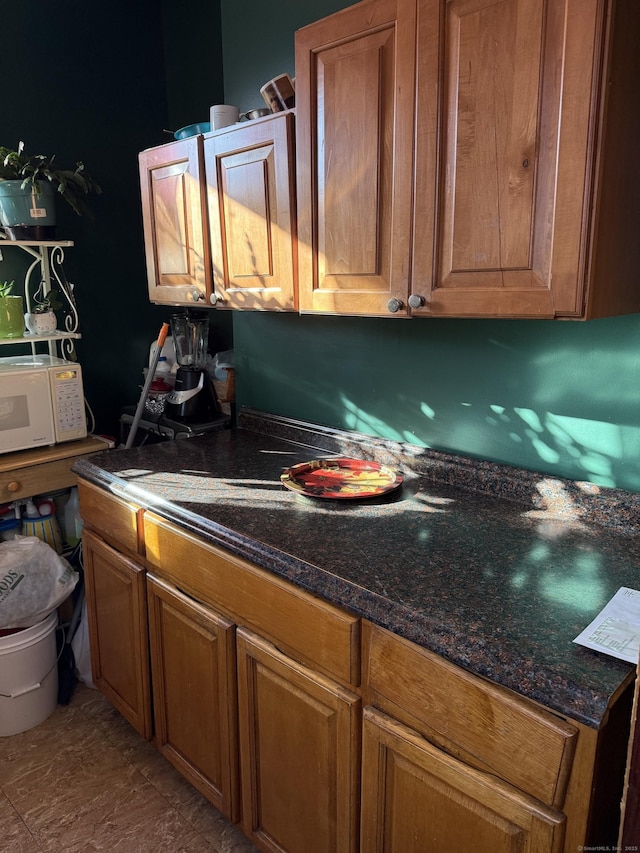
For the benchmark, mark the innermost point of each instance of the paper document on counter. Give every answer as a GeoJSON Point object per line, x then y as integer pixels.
{"type": "Point", "coordinates": [616, 629]}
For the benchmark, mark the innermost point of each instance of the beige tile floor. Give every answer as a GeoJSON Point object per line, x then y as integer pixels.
{"type": "Point", "coordinates": [84, 780]}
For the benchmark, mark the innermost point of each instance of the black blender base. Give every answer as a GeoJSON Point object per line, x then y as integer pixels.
{"type": "Point", "coordinates": [200, 403]}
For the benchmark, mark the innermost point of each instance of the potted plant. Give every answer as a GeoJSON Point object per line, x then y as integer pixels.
{"type": "Point", "coordinates": [41, 320]}
{"type": "Point", "coordinates": [11, 312]}
{"type": "Point", "coordinates": [28, 187]}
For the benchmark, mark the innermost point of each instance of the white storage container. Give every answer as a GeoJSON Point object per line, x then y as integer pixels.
{"type": "Point", "coordinates": [28, 676]}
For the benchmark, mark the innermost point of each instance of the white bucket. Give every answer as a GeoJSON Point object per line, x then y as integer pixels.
{"type": "Point", "coordinates": [28, 676]}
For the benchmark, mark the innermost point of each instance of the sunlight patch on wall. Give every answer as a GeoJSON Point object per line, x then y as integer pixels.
{"type": "Point", "coordinates": [546, 453]}
{"type": "Point", "coordinates": [427, 411]}
{"type": "Point", "coordinates": [595, 447]}
{"type": "Point", "coordinates": [358, 420]}
{"type": "Point", "coordinates": [412, 438]}
{"type": "Point", "coordinates": [604, 438]}
{"type": "Point", "coordinates": [530, 418]}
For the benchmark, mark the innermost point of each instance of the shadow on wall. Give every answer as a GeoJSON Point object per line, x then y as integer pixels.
{"type": "Point", "coordinates": [562, 398]}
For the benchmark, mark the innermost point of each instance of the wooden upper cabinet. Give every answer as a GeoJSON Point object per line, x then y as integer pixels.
{"type": "Point", "coordinates": [250, 171]}
{"type": "Point", "coordinates": [354, 122]}
{"type": "Point", "coordinates": [174, 217]}
{"type": "Point", "coordinates": [504, 177]}
{"type": "Point", "coordinates": [507, 188]}
{"type": "Point", "coordinates": [486, 172]}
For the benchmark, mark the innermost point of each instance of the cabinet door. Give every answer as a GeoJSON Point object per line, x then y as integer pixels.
{"type": "Point", "coordinates": [117, 617]}
{"type": "Point", "coordinates": [417, 799]}
{"type": "Point", "coordinates": [354, 127]}
{"type": "Point", "coordinates": [194, 698]}
{"type": "Point", "coordinates": [173, 213]}
{"type": "Point", "coordinates": [299, 748]}
{"type": "Point", "coordinates": [503, 156]}
{"type": "Point", "coordinates": [250, 173]}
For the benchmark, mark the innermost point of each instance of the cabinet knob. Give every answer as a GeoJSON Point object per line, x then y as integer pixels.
{"type": "Point", "coordinates": [416, 301]}
{"type": "Point", "coordinates": [215, 299]}
{"type": "Point", "coordinates": [196, 295]}
{"type": "Point", "coordinates": [394, 305]}
{"type": "Point", "coordinates": [14, 486]}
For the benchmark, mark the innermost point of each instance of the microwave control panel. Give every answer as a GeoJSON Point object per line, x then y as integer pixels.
{"type": "Point", "coordinates": [67, 395]}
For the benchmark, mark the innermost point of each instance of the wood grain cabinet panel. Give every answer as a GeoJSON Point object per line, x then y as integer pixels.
{"type": "Point", "coordinates": [509, 164]}
{"type": "Point", "coordinates": [354, 122]}
{"type": "Point", "coordinates": [194, 692]}
{"type": "Point", "coordinates": [417, 798]}
{"type": "Point", "coordinates": [174, 219]}
{"type": "Point", "coordinates": [117, 520]}
{"type": "Point", "coordinates": [117, 618]}
{"type": "Point", "coordinates": [23, 483]}
{"type": "Point", "coordinates": [308, 629]}
{"type": "Point", "coordinates": [25, 473]}
{"type": "Point", "coordinates": [250, 173]}
{"type": "Point", "coordinates": [469, 159]}
{"type": "Point", "coordinates": [300, 753]}
{"type": "Point", "coordinates": [488, 727]}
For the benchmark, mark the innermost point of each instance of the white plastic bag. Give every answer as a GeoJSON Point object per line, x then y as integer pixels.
{"type": "Point", "coordinates": [220, 364]}
{"type": "Point", "coordinates": [82, 650]}
{"type": "Point", "coordinates": [34, 580]}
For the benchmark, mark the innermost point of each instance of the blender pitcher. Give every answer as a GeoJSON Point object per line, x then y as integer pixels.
{"type": "Point", "coordinates": [192, 398]}
{"type": "Point", "coordinates": [190, 340]}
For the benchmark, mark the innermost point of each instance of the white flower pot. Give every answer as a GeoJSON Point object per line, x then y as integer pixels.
{"type": "Point", "coordinates": [41, 324]}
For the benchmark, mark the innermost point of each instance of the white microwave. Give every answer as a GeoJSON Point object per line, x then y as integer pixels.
{"type": "Point", "coordinates": [41, 402]}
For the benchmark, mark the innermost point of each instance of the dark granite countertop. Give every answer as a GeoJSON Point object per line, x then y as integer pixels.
{"type": "Point", "coordinates": [498, 579]}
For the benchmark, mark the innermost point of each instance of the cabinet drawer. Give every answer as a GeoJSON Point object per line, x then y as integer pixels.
{"type": "Point", "coordinates": [37, 479]}
{"type": "Point", "coordinates": [306, 628]}
{"type": "Point", "coordinates": [484, 725]}
{"type": "Point", "coordinates": [114, 518]}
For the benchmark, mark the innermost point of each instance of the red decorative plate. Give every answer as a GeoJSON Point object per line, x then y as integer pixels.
{"type": "Point", "coordinates": [340, 478]}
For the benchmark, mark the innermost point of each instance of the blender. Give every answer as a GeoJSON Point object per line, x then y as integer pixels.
{"type": "Point", "coordinates": [192, 399]}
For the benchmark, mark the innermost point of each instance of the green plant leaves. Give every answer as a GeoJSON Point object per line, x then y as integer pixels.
{"type": "Point", "coordinates": [72, 185]}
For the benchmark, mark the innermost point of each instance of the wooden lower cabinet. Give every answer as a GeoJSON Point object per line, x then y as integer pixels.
{"type": "Point", "coordinates": [298, 710]}
{"type": "Point", "coordinates": [258, 694]}
{"type": "Point", "coordinates": [416, 798]}
{"type": "Point", "coordinates": [453, 762]}
{"type": "Point", "coordinates": [300, 753]}
{"type": "Point", "coordinates": [117, 617]}
{"type": "Point", "coordinates": [193, 674]}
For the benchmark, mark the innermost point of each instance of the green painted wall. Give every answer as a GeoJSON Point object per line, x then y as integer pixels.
{"type": "Point", "coordinates": [88, 81]}
{"type": "Point", "coordinates": [557, 397]}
